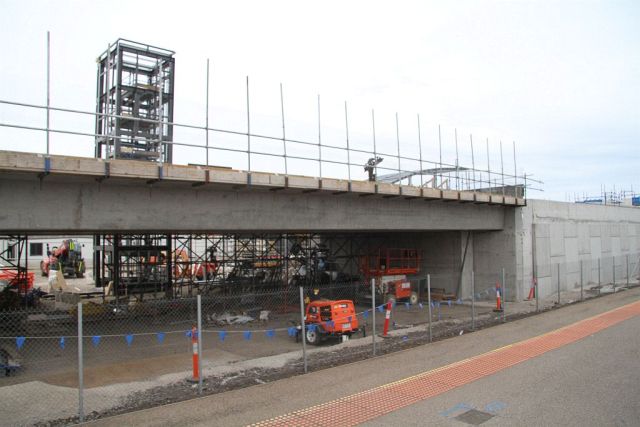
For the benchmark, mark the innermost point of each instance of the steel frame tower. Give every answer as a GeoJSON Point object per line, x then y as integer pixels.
{"type": "Point", "coordinates": [134, 102]}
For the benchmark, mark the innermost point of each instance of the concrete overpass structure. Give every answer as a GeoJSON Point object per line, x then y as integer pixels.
{"type": "Point", "coordinates": [68, 194]}
{"type": "Point", "coordinates": [458, 231]}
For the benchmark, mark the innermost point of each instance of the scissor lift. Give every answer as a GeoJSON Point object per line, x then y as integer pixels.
{"type": "Point", "coordinates": [388, 269]}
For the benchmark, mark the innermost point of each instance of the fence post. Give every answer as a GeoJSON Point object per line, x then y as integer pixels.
{"type": "Point", "coordinates": [581, 283]}
{"type": "Point", "coordinates": [599, 278]}
{"type": "Point", "coordinates": [201, 374]}
{"type": "Point", "coordinates": [429, 308]}
{"type": "Point", "coordinates": [303, 331]}
{"type": "Point", "coordinates": [504, 297]}
{"type": "Point", "coordinates": [80, 367]}
{"type": "Point", "coordinates": [537, 294]}
{"type": "Point", "coordinates": [558, 283]}
{"type": "Point", "coordinates": [373, 314]}
{"type": "Point", "coordinates": [473, 300]}
{"type": "Point", "coordinates": [613, 268]}
{"type": "Point", "coordinates": [627, 270]}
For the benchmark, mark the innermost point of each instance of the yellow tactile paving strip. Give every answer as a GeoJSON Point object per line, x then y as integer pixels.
{"type": "Point", "coordinates": [360, 407]}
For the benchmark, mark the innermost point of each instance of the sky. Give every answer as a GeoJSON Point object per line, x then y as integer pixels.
{"type": "Point", "coordinates": [560, 78]}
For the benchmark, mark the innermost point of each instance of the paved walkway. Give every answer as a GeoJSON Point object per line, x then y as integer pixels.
{"type": "Point", "coordinates": [370, 404]}
{"type": "Point", "coordinates": [379, 388]}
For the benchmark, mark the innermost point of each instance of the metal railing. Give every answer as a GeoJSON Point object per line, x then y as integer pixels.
{"type": "Point", "coordinates": [443, 175]}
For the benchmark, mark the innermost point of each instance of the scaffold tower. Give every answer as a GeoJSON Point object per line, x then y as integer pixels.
{"type": "Point", "coordinates": [134, 102]}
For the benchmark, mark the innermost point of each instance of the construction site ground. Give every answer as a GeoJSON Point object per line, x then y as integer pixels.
{"type": "Point", "coordinates": [120, 379]}
{"type": "Point", "coordinates": [574, 366]}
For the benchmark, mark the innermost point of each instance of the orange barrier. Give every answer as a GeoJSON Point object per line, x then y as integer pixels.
{"type": "Point", "coordinates": [498, 308]}
{"type": "Point", "coordinates": [532, 290]}
{"type": "Point", "coordinates": [194, 344]}
{"type": "Point", "coordinates": [387, 316]}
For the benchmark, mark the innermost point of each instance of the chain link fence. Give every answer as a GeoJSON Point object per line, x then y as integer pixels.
{"type": "Point", "coordinates": [155, 351]}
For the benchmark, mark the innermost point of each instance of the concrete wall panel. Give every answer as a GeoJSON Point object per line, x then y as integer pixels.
{"type": "Point", "coordinates": [584, 241]}
{"type": "Point", "coordinates": [568, 234]}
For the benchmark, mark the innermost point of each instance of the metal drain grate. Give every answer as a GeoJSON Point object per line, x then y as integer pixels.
{"type": "Point", "coordinates": [474, 417]}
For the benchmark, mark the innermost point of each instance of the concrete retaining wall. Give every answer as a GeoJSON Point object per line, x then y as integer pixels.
{"type": "Point", "coordinates": [577, 238]}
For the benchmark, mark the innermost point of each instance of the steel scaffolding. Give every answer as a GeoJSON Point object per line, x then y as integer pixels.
{"type": "Point", "coordinates": [134, 102]}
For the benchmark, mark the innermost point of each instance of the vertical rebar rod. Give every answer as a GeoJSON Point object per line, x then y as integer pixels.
{"type": "Point", "coordinates": [558, 283]}
{"type": "Point", "coordinates": [48, 87]}
{"type": "Point", "coordinates": [504, 296]}
{"type": "Point", "coordinates": [515, 168]}
{"type": "Point", "coordinates": [473, 163]}
{"type": "Point", "coordinates": [80, 367]}
{"type": "Point", "coordinates": [502, 169]}
{"type": "Point", "coordinates": [398, 141]}
{"type": "Point", "coordinates": [373, 314]}
{"type": "Point", "coordinates": [200, 373]}
{"type": "Point", "coordinates": [248, 133]}
{"type": "Point", "coordinates": [581, 283]}
{"type": "Point", "coordinates": [284, 135]}
{"type": "Point", "coordinates": [375, 153]}
{"type": "Point", "coordinates": [207, 117]}
{"type": "Point", "coordinates": [488, 169]}
{"type": "Point", "coordinates": [319, 140]}
{"type": "Point", "coordinates": [429, 307]}
{"type": "Point", "coordinates": [473, 300]}
{"type": "Point", "coordinates": [440, 151]}
{"type": "Point", "coordinates": [346, 123]}
{"type": "Point", "coordinates": [455, 133]}
{"type": "Point", "coordinates": [303, 331]}
{"type": "Point", "coordinates": [420, 151]}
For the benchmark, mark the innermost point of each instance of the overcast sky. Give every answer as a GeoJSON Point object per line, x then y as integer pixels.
{"type": "Point", "coordinates": [560, 78]}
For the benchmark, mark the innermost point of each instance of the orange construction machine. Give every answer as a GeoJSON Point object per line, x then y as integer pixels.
{"type": "Point", "coordinates": [325, 318]}
{"type": "Point", "coordinates": [67, 257]}
{"type": "Point", "coordinates": [388, 269]}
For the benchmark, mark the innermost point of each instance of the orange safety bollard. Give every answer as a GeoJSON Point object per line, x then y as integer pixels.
{"type": "Point", "coordinates": [387, 316]}
{"type": "Point", "coordinates": [498, 308]}
{"type": "Point", "coordinates": [532, 290]}
{"type": "Point", "coordinates": [194, 344]}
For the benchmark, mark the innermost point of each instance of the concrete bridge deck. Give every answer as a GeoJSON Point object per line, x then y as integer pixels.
{"type": "Point", "coordinates": [62, 193]}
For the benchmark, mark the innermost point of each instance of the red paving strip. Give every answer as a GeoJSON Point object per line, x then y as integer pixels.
{"type": "Point", "coordinates": [369, 404]}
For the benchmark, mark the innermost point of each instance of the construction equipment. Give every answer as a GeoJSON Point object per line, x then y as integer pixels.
{"type": "Point", "coordinates": [67, 258]}
{"type": "Point", "coordinates": [388, 269]}
{"type": "Point", "coordinates": [370, 167]}
{"type": "Point", "coordinates": [329, 318]}
{"type": "Point", "coordinates": [13, 278]}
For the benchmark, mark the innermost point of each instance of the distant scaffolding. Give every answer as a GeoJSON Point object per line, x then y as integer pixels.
{"type": "Point", "coordinates": [134, 102]}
